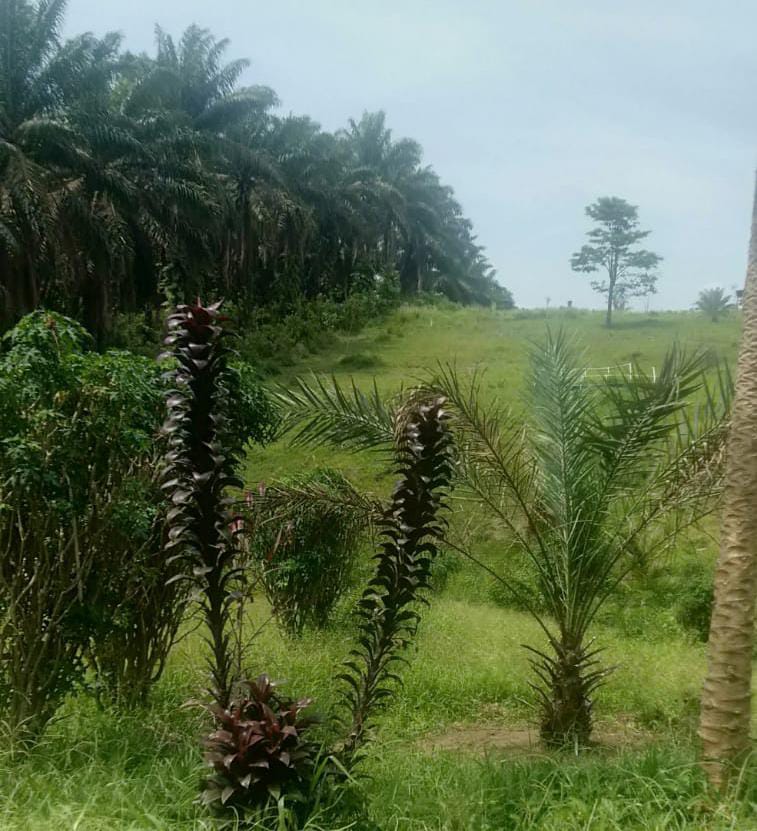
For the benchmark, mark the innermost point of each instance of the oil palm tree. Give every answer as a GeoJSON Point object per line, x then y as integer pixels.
{"type": "Point", "coordinates": [714, 303]}
{"type": "Point", "coordinates": [726, 699]}
{"type": "Point", "coordinates": [35, 143]}
{"type": "Point", "coordinates": [592, 477]}
{"type": "Point", "coordinates": [78, 182]}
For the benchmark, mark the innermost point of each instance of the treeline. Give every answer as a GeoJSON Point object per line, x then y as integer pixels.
{"type": "Point", "coordinates": [127, 180]}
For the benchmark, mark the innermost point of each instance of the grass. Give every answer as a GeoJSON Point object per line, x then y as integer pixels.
{"type": "Point", "coordinates": [467, 676]}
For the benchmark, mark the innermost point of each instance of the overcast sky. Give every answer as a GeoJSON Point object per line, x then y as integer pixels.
{"type": "Point", "coordinates": [530, 109]}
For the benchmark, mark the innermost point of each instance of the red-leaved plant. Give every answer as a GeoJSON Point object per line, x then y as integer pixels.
{"type": "Point", "coordinates": [259, 751]}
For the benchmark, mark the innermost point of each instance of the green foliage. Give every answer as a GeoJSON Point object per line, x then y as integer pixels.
{"type": "Point", "coordinates": [252, 416]}
{"type": "Point", "coordinates": [693, 597]}
{"type": "Point", "coordinates": [359, 360]}
{"type": "Point", "coordinates": [129, 180]}
{"type": "Point", "coordinates": [442, 758]}
{"type": "Point", "coordinates": [630, 272]}
{"type": "Point", "coordinates": [304, 540]}
{"type": "Point", "coordinates": [260, 749]}
{"type": "Point", "coordinates": [78, 515]}
{"type": "Point", "coordinates": [82, 517]}
{"type": "Point", "coordinates": [277, 336]}
{"type": "Point", "coordinates": [577, 488]}
{"type": "Point", "coordinates": [319, 412]}
{"type": "Point", "coordinates": [714, 303]}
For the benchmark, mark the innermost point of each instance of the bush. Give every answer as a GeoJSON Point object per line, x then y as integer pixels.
{"type": "Point", "coordinates": [81, 518]}
{"type": "Point", "coordinates": [305, 539]}
{"type": "Point", "coordinates": [79, 428]}
{"type": "Point", "coordinates": [360, 360]}
{"type": "Point", "coordinates": [694, 596]}
{"type": "Point", "coordinates": [273, 337]}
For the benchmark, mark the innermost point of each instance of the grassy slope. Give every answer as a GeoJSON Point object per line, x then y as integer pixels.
{"type": "Point", "coordinates": [101, 770]}
{"type": "Point", "coordinates": [416, 338]}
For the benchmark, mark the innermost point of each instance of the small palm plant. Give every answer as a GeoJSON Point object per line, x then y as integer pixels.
{"type": "Point", "coordinates": [596, 474]}
{"type": "Point", "coordinates": [581, 488]}
{"type": "Point", "coordinates": [714, 303]}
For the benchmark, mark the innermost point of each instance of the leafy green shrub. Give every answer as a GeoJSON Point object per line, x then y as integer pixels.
{"type": "Point", "coordinates": [76, 429]}
{"type": "Point", "coordinates": [82, 514]}
{"type": "Point", "coordinates": [260, 750]}
{"type": "Point", "coordinates": [305, 539]}
{"type": "Point", "coordinates": [278, 336]}
{"type": "Point", "coordinates": [139, 333]}
{"type": "Point", "coordinates": [693, 598]}
{"type": "Point", "coordinates": [360, 360]}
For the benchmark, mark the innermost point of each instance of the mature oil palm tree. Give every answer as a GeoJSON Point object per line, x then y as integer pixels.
{"type": "Point", "coordinates": [76, 179]}
{"type": "Point", "coordinates": [36, 144]}
{"type": "Point", "coordinates": [592, 475]}
{"type": "Point", "coordinates": [726, 699]}
{"type": "Point", "coordinates": [127, 178]}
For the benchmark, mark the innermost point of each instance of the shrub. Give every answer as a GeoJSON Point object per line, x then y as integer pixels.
{"type": "Point", "coordinates": [260, 750]}
{"type": "Point", "coordinates": [81, 517]}
{"type": "Point", "coordinates": [278, 336]}
{"type": "Point", "coordinates": [306, 534]}
{"type": "Point", "coordinates": [694, 596]}
{"type": "Point", "coordinates": [360, 360]}
{"type": "Point", "coordinates": [76, 431]}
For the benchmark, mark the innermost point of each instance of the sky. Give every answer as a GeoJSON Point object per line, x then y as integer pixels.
{"type": "Point", "coordinates": [530, 109]}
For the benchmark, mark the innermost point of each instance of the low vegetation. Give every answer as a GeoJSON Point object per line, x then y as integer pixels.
{"type": "Point", "coordinates": [464, 719]}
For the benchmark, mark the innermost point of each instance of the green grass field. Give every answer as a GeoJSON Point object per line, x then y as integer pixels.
{"type": "Point", "coordinates": [452, 753]}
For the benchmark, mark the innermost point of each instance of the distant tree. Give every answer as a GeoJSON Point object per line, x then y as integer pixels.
{"type": "Point", "coordinates": [714, 302]}
{"type": "Point", "coordinates": [630, 271]}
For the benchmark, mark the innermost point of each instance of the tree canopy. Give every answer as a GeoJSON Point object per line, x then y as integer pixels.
{"type": "Point", "coordinates": [630, 270]}
{"type": "Point", "coordinates": [714, 302]}
{"type": "Point", "coordinates": [128, 179]}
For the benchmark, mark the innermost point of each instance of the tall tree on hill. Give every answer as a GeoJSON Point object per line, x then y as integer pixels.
{"type": "Point", "coordinates": [630, 270]}
{"type": "Point", "coordinates": [726, 699]}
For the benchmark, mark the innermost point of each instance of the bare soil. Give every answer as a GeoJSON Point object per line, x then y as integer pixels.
{"type": "Point", "coordinates": [523, 740]}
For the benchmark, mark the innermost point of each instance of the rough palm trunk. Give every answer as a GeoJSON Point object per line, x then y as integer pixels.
{"type": "Point", "coordinates": [726, 698]}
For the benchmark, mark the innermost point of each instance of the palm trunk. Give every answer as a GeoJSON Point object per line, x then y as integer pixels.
{"type": "Point", "coordinates": [726, 698]}
{"type": "Point", "coordinates": [567, 681]}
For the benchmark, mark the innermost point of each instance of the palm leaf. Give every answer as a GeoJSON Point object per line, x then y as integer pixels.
{"type": "Point", "coordinates": [319, 412]}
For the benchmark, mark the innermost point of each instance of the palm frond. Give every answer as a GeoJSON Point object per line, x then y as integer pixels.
{"type": "Point", "coordinates": [326, 493]}
{"type": "Point", "coordinates": [320, 412]}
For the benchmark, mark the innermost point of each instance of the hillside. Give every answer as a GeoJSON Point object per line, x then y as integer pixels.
{"type": "Point", "coordinates": [416, 338]}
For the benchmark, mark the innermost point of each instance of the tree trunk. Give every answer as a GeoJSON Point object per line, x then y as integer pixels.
{"type": "Point", "coordinates": [610, 299]}
{"type": "Point", "coordinates": [567, 681]}
{"type": "Point", "coordinates": [726, 698]}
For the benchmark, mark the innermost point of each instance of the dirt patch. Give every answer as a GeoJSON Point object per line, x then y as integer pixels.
{"type": "Point", "coordinates": [523, 740]}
